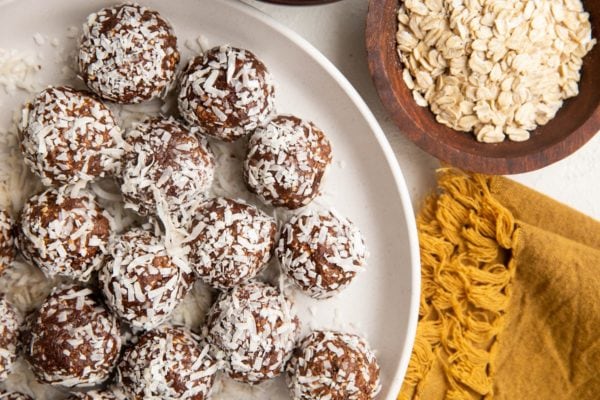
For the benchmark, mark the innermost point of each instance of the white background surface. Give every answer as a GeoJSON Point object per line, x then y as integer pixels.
{"type": "Point", "coordinates": [337, 30]}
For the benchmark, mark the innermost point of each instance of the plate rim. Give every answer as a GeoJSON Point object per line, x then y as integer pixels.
{"type": "Point", "coordinates": [392, 162]}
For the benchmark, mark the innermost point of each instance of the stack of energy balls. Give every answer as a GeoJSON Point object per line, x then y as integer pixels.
{"type": "Point", "coordinates": [132, 281]}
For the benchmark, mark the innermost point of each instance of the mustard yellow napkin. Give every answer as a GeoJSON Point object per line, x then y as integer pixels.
{"type": "Point", "coordinates": [510, 303]}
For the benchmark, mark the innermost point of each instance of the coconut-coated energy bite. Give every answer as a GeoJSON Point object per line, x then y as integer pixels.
{"type": "Point", "coordinates": [168, 363]}
{"type": "Point", "coordinates": [230, 242]}
{"type": "Point", "coordinates": [69, 136]}
{"type": "Point", "coordinates": [111, 393]}
{"type": "Point", "coordinates": [321, 251]}
{"type": "Point", "coordinates": [4, 395]}
{"type": "Point", "coordinates": [141, 283]}
{"type": "Point", "coordinates": [64, 232]}
{"type": "Point", "coordinates": [9, 336]}
{"type": "Point", "coordinates": [253, 327]}
{"type": "Point", "coordinates": [127, 53]}
{"type": "Point", "coordinates": [168, 161]}
{"type": "Point", "coordinates": [7, 241]}
{"type": "Point", "coordinates": [286, 161]}
{"type": "Point", "coordinates": [73, 340]}
{"type": "Point", "coordinates": [227, 93]}
{"type": "Point", "coordinates": [329, 365]}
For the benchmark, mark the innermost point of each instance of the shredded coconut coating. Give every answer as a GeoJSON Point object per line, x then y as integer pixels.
{"type": "Point", "coordinates": [9, 337]}
{"type": "Point", "coordinates": [286, 161]}
{"type": "Point", "coordinates": [141, 282]}
{"type": "Point", "coordinates": [69, 136]}
{"type": "Point", "coordinates": [127, 53]}
{"type": "Point", "coordinates": [253, 328]}
{"type": "Point", "coordinates": [7, 241]}
{"type": "Point", "coordinates": [63, 231]}
{"type": "Point", "coordinates": [230, 242]}
{"type": "Point", "coordinates": [13, 396]}
{"type": "Point", "coordinates": [321, 251]}
{"type": "Point", "coordinates": [227, 93]}
{"type": "Point", "coordinates": [111, 393]}
{"type": "Point", "coordinates": [168, 363]}
{"type": "Point", "coordinates": [331, 365]}
{"type": "Point", "coordinates": [166, 159]}
{"type": "Point", "coordinates": [74, 341]}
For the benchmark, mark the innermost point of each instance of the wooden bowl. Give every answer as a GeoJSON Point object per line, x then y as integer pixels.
{"type": "Point", "coordinates": [575, 123]}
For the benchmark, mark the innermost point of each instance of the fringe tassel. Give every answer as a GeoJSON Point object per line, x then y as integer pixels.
{"type": "Point", "coordinates": [465, 238]}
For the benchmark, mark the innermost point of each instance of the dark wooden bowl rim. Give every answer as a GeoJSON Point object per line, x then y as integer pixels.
{"type": "Point", "coordinates": [548, 144]}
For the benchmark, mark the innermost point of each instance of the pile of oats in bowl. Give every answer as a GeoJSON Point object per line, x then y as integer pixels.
{"type": "Point", "coordinates": [497, 68]}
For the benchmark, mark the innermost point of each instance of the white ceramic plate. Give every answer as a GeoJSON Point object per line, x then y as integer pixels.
{"type": "Point", "coordinates": [364, 183]}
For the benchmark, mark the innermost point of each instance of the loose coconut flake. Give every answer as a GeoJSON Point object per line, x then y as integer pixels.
{"type": "Point", "coordinates": [18, 71]}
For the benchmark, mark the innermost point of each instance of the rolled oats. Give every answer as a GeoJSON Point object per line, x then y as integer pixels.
{"type": "Point", "coordinates": [497, 68]}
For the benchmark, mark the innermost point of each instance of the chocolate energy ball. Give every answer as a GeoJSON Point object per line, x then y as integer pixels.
{"type": "Point", "coordinates": [168, 161]}
{"type": "Point", "coordinates": [230, 242]}
{"type": "Point", "coordinates": [253, 327]}
{"type": "Point", "coordinates": [13, 396]}
{"type": "Point", "coordinates": [227, 93]}
{"type": "Point", "coordinates": [69, 136]}
{"type": "Point", "coordinates": [168, 363]}
{"type": "Point", "coordinates": [64, 232]}
{"type": "Point", "coordinates": [321, 252]}
{"type": "Point", "coordinates": [9, 337]}
{"type": "Point", "coordinates": [74, 341]}
{"type": "Point", "coordinates": [286, 161]}
{"type": "Point", "coordinates": [7, 241]}
{"type": "Point", "coordinates": [127, 53]}
{"type": "Point", "coordinates": [112, 393]}
{"type": "Point", "coordinates": [331, 365]}
{"type": "Point", "coordinates": [141, 283]}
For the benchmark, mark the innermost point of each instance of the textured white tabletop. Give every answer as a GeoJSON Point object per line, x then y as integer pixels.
{"type": "Point", "coordinates": [337, 30]}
